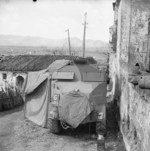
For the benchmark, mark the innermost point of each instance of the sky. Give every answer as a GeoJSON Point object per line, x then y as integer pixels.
{"type": "Point", "coordinates": [50, 18]}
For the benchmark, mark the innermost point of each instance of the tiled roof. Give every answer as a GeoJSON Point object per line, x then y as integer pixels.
{"type": "Point", "coordinates": [29, 62]}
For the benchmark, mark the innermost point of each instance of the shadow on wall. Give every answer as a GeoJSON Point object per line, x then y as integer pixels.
{"type": "Point", "coordinates": [113, 105]}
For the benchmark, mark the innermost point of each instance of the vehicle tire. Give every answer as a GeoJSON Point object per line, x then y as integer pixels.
{"type": "Point", "coordinates": [54, 126]}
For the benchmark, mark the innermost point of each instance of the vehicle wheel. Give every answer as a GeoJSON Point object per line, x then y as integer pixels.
{"type": "Point", "coordinates": [54, 126]}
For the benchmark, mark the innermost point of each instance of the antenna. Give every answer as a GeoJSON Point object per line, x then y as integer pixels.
{"type": "Point", "coordinates": [84, 33]}
{"type": "Point", "coordinates": [69, 41]}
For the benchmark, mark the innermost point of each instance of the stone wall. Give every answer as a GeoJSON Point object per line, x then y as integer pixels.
{"type": "Point", "coordinates": [11, 86]}
{"type": "Point", "coordinates": [10, 80]}
{"type": "Point", "coordinates": [132, 29]}
{"type": "Point", "coordinates": [136, 123]}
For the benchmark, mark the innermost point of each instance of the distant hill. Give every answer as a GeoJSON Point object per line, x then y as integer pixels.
{"type": "Point", "coordinates": [9, 40]}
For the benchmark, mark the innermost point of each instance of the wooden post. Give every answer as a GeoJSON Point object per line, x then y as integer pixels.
{"type": "Point", "coordinates": [85, 23]}
{"type": "Point", "coordinates": [69, 41]}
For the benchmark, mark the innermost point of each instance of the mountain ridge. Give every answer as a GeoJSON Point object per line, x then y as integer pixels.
{"type": "Point", "coordinates": [15, 40]}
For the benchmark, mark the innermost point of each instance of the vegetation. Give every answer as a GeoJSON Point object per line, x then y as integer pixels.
{"type": "Point", "coordinates": [10, 99]}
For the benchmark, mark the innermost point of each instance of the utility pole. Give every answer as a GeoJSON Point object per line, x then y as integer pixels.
{"type": "Point", "coordinates": [69, 41]}
{"type": "Point", "coordinates": [85, 23]}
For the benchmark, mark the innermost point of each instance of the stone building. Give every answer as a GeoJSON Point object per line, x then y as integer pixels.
{"type": "Point", "coordinates": [131, 58]}
{"type": "Point", "coordinates": [14, 69]}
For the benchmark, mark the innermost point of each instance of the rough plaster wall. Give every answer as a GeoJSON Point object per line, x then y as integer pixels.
{"type": "Point", "coordinates": [10, 81]}
{"type": "Point", "coordinates": [137, 132]}
{"type": "Point", "coordinates": [134, 108]}
{"type": "Point", "coordinates": [113, 30]}
{"type": "Point", "coordinates": [139, 29]}
{"type": "Point", "coordinates": [111, 93]}
{"type": "Point", "coordinates": [123, 59]}
{"type": "Point", "coordinates": [118, 40]}
{"type": "Point", "coordinates": [122, 52]}
{"type": "Point", "coordinates": [116, 15]}
{"type": "Point", "coordinates": [125, 27]}
{"type": "Point", "coordinates": [139, 25]}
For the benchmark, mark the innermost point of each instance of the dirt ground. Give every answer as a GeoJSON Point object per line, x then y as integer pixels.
{"type": "Point", "coordinates": [19, 134]}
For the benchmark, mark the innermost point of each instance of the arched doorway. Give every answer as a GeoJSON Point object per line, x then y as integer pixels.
{"type": "Point", "coordinates": [19, 82]}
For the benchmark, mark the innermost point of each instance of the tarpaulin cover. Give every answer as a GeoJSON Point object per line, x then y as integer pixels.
{"type": "Point", "coordinates": [34, 79]}
{"type": "Point", "coordinates": [74, 108]}
{"type": "Point", "coordinates": [37, 93]}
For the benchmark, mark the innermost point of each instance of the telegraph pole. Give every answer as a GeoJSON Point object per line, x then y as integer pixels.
{"type": "Point", "coordinates": [69, 41]}
{"type": "Point", "coordinates": [84, 24]}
